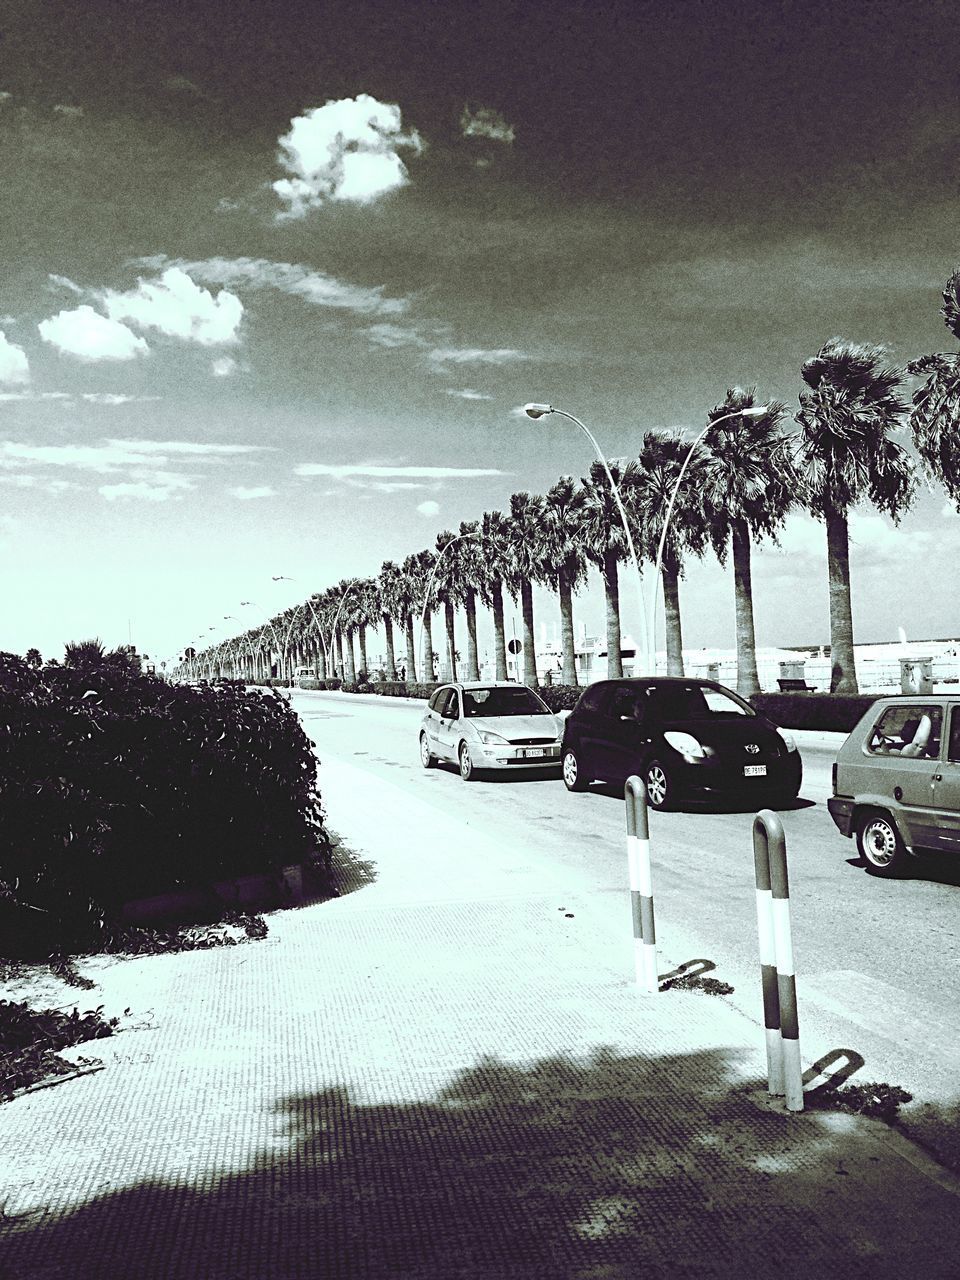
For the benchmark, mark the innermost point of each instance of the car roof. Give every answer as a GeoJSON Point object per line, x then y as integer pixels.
{"type": "Point", "coordinates": [665, 680]}
{"type": "Point", "coordinates": [485, 684]}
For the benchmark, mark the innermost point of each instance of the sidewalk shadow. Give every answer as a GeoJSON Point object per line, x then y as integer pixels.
{"type": "Point", "coordinates": [348, 871]}
{"type": "Point", "coordinates": [612, 1167]}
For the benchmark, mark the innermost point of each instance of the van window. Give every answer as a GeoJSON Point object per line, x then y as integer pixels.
{"type": "Point", "coordinates": [955, 735]}
{"type": "Point", "coordinates": [911, 731]}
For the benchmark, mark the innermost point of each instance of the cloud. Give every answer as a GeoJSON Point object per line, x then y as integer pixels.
{"type": "Point", "coordinates": [223, 367]}
{"type": "Point", "coordinates": [429, 508]}
{"type": "Point", "coordinates": [145, 491]}
{"type": "Point", "coordinates": [377, 472]}
{"type": "Point", "coordinates": [475, 355]}
{"type": "Point", "coordinates": [110, 397]}
{"type": "Point", "coordinates": [485, 122]}
{"type": "Point", "coordinates": [314, 287]}
{"type": "Point", "coordinates": [14, 366]}
{"type": "Point", "coordinates": [176, 306]}
{"type": "Point", "coordinates": [393, 336]}
{"type": "Point", "coordinates": [345, 150]}
{"type": "Point", "coordinates": [73, 112]}
{"type": "Point", "coordinates": [467, 394]}
{"type": "Point", "coordinates": [180, 84]}
{"type": "Point", "coordinates": [257, 491]}
{"type": "Point", "coordinates": [86, 334]}
{"type": "Point", "coordinates": [114, 455]}
{"type": "Point", "coordinates": [35, 395]}
{"type": "Point", "coordinates": [64, 282]}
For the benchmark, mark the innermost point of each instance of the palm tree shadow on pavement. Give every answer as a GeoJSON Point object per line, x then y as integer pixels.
{"type": "Point", "coordinates": [609, 1167]}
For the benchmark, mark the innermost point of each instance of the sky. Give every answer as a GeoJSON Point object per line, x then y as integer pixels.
{"type": "Point", "coordinates": [277, 277]}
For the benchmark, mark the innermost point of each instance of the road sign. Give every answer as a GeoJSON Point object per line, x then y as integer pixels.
{"type": "Point", "coordinates": [514, 646]}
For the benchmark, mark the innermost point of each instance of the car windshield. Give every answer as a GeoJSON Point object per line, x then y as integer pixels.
{"type": "Point", "coordinates": [501, 701]}
{"type": "Point", "coordinates": [694, 702]}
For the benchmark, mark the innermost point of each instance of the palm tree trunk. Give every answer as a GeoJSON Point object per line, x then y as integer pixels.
{"type": "Point", "coordinates": [747, 679]}
{"type": "Point", "coordinates": [338, 654]}
{"type": "Point", "coordinates": [567, 642]}
{"type": "Point", "coordinates": [349, 657]}
{"type": "Point", "coordinates": [428, 647]}
{"type": "Point", "coordinates": [470, 612]}
{"type": "Point", "coordinates": [499, 638]}
{"type": "Point", "coordinates": [391, 655]}
{"type": "Point", "coordinates": [611, 589]}
{"type": "Point", "coordinates": [411, 671]}
{"type": "Point", "coordinates": [448, 617]}
{"type": "Point", "coordinates": [321, 661]}
{"type": "Point", "coordinates": [529, 654]}
{"type": "Point", "coordinates": [671, 614]}
{"type": "Point", "coordinates": [362, 633]}
{"type": "Point", "coordinates": [843, 672]}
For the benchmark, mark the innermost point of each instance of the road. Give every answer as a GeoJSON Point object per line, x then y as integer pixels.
{"type": "Point", "coordinates": [877, 961]}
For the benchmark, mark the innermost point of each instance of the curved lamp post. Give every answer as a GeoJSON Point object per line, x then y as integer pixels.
{"type": "Point", "coordinates": [536, 411]}
{"type": "Point", "coordinates": [473, 533]}
{"type": "Point", "coordinates": [253, 605]}
{"type": "Point", "coordinates": [282, 577]}
{"type": "Point", "coordinates": [755, 411]}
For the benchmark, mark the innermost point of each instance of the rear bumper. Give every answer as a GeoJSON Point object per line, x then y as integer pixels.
{"type": "Point", "coordinates": [783, 775]}
{"type": "Point", "coordinates": [841, 811]}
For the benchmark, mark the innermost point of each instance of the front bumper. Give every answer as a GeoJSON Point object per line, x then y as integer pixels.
{"type": "Point", "coordinates": [498, 757]}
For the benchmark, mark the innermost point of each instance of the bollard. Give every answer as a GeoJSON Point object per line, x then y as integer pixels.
{"type": "Point", "coordinates": [780, 1015]}
{"type": "Point", "coordinates": [641, 885]}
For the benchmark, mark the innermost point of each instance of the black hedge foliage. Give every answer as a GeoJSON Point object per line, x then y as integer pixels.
{"type": "Point", "coordinates": [116, 785]}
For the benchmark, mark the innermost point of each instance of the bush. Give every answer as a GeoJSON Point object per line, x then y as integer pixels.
{"type": "Point", "coordinates": [834, 712]}
{"type": "Point", "coordinates": [30, 1041]}
{"type": "Point", "coordinates": [116, 785]}
{"type": "Point", "coordinates": [560, 697]}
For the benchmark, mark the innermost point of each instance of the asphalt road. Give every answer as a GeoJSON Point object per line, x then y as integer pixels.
{"type": "Point", "coordinates": [877, 961]}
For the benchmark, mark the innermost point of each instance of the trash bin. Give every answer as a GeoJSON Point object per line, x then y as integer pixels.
{"type": "Point", "coordinates": [916, 675]}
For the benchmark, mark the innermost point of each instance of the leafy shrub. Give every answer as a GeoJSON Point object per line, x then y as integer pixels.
{"type": "Point", "coordinates": [560, 697]}
{"type": "Point", "coordinates": [832, 712]}
{"type": "Point", "coordinates": [30, 1041]}
{"type": "Point", "coordinates": [116, 785]}
{"type": "Point", "coordinates": [391, 688]}
{"type": "Point", "coordinates": [424, 691]}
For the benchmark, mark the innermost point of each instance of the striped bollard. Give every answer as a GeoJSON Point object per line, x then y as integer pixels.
{"type": "Point", "coordinates": [641, 885]}
{"type": "Point", "coordinates": [780, 1016]}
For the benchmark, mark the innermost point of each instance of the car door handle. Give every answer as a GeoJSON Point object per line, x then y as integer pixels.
{"type": "Point", "coordinates": [938, 777]}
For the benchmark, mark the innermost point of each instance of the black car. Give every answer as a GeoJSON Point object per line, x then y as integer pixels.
{"type": "Point", "coordinates": [685, 738]}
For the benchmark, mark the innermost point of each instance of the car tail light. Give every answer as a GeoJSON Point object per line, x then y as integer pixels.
{"type": "Point", "coordinates": [833, 777]}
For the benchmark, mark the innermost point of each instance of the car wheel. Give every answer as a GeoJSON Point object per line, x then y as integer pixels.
{"type": "Point", "coordinates": [467, 771]}
{"type": "Point", "coordinates": [879, 844]}
{"type": "Point", "coordinates": [574, 779]}
{"type": "Point", "coordinates": [659, 786]}
{"type": "Point", "coordinates": [427, 758]}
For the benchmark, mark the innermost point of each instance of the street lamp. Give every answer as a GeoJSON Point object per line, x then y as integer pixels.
{"type": "Point", "coordinates": [282, 577]}
{"type": "Point", "coordinates": [537, 411]}
{"type": "Point", "coordinates": [754, 411]}
{"type": "Point", "coordinates": [253, 605]}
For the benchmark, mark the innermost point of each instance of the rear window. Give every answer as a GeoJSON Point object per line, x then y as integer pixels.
{"type": "Point", "coordinates": [501, 701]}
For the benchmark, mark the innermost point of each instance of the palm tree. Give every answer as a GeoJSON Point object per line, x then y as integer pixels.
{"type": "Point", "coordinates": [84, 653]}
{"type": "Point", "coordinates": [496, 558]}
{"type": "Point", "coordinates": [366, 613]}
{"type": "Point", "coordinates": [659, 464]}
{"type": "Point", "coordinates": [605, 544]}
{"type": "Point", "coordinates": [349, 615]}
{"type": "Point", "coordinates": [420, 568]}
{"type": "Point", "coordinates": [847, 454]}
{"type": "Point", "coordinates": [524, 567]}
{"type": "Point", "coordinates": [562, 510]}
{"type": "Point", "coordinates": [936, 405]}
{"type": "Point", "coordinates": [470, 558]}
{"type": "Point", "coordinates": [388, 582]}
{"type": "Point", "coordinates": [409, 604]}
{"type": "Point", "coordinates": [447, 587]}
{"type": "Point", "coordinates": [748, 487]}
{"type": "Point", "coordinates": [33, 658]}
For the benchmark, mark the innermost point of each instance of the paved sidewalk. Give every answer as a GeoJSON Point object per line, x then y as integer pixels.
{"type": "Point", "coordinates": [446, 1072]}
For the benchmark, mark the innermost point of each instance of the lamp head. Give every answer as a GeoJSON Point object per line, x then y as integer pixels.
{"type": "Point", "coordinates": [755, 411]}
{"type": "Point", "coordinates": [537, 410]}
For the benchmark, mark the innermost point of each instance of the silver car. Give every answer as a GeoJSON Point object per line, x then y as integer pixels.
{"type": "Point", "coordinates": [483, 725]}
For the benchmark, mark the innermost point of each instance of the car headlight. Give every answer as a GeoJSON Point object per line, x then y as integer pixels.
{"type": "Point", "coordinates": [687, 745]}
{"type": "Point", "coordinates": [491, 739]}
{"type": "Point", "coordinates": [788, 740]}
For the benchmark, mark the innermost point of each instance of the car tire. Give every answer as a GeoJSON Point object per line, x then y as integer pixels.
{"type": "Point", "coordinates": [659, 786]}
{"type": "Point", "coordinates": [879, 844]}
{"type": "Point", "coordinates": [468, 772]}
{"type": "Point", "coordinates": [574, 779]}
{"type": "Point", "coordinates": [427, 758]}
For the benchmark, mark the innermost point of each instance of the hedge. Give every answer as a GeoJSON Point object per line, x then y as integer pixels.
{"type": "Point", "coordinates": [116, 785]}
{"type": "Point", "coordinates": [834, 712]}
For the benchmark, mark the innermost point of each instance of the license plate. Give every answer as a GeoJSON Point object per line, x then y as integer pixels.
{"type": "Point", "coordinates": [754, 770]}
{"type": "Point", "coordinates": [534, 751]}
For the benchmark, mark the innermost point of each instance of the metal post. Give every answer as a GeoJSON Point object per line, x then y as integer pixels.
{"type": "Point", "coordinates": [641, 885]}
{"type": "Point", "coordinates": [780, 1014]}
